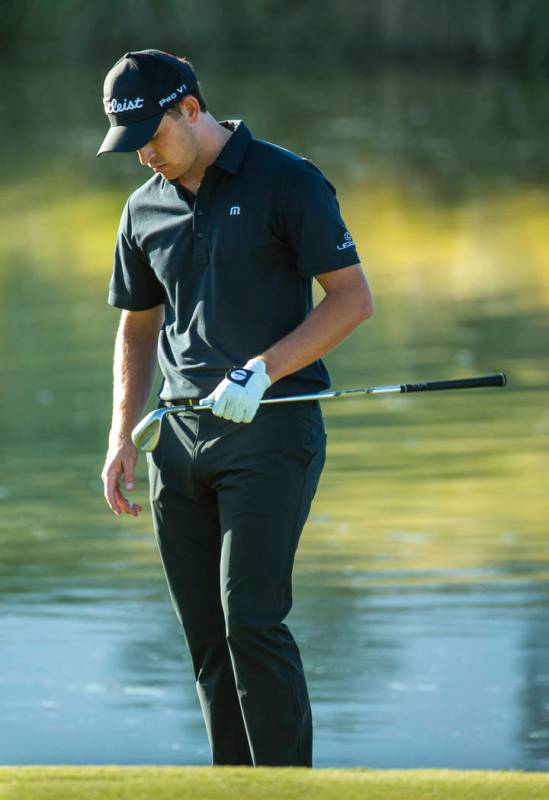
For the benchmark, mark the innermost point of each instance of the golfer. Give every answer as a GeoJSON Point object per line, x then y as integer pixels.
{"type": "Point", "coordinates": [213, 271]}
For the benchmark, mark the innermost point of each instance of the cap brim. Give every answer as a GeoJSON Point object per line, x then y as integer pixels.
{"type": "Point", "coordinates": [126, 138]}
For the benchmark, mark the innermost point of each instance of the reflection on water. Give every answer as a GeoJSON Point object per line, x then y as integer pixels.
{"type": "Point", "coordinates": [443, 677]}
{"type": "Point", "coordinates": [420, 592]}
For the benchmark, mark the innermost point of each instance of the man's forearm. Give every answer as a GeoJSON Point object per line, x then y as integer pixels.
{"type": "Point", "coordinates": [133, 376]}
{"type": "Point", "coordinates": [333, 319]}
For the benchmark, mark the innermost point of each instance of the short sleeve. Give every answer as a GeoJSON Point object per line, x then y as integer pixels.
{"type": "Point", "coordinates": [313, 224]}
{"type": "Point", "coordinates": [134, 285]}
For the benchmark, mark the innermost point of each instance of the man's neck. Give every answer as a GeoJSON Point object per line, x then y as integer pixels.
{"type": "Point", "coordinates": [213, 140]}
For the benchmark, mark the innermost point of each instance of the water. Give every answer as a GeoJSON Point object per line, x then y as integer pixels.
{"type": "Point", "coordinates": [421, 581]}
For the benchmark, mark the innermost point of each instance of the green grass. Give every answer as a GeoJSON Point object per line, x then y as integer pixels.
{"type": "Point", "coordinates": [244, 783]}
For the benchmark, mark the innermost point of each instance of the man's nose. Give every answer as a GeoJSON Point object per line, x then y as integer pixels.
{"type": "Point", "coordinates": [144, 154]}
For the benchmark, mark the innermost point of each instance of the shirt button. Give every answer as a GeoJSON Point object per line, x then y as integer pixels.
{"type": "Point", "coordinates": [200, 235]}
{"type": "Point", "coordinates": [200, 212]}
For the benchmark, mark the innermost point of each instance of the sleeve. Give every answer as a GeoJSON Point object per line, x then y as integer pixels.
{"type": "Point", "coordinates": [134, 285]}
{"type": "Point", "coordinates": [313, 224]}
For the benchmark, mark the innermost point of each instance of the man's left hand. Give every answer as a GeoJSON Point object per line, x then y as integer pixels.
{"type": "Point", "coordinates": [238, 395]}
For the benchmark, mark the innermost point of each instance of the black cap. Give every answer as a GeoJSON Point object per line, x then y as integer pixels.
{"type": "Point", "coordinates": [137, 91]}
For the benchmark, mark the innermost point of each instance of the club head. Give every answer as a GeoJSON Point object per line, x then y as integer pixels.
{"type": "Point", "coordinates": [146, 433]}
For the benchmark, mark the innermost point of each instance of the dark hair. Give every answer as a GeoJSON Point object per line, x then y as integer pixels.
{"type": "Point", "coordinates": [195, 92]}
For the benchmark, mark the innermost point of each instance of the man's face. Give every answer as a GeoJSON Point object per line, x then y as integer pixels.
{"type": "Point", "coordinates": [173, 149]}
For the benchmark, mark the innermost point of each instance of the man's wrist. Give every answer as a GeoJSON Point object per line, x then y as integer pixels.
{"type": "Point", "coordinates": [118, 437]}
{"type": "Point", "coordinates": [253, 361]}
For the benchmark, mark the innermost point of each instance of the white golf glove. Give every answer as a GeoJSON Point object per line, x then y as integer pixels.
{"type": "Point", "coordinates": [237, 396]}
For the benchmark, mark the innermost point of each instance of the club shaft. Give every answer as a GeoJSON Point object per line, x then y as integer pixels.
{"type": "Point", "coordinates": [483, 381]}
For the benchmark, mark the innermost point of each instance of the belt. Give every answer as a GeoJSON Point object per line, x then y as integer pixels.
{"type": "Point", "coordinates": [183, 401]}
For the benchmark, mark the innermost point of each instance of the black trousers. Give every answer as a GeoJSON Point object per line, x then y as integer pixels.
{"type": "Point", "coordinates": [229, 502]}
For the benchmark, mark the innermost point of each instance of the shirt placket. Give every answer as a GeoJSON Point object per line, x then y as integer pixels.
{"type": "Point", "coordinates": [200, 216]}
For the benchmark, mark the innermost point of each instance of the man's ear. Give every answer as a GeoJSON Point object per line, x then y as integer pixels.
{"type": "Point", "coordinates": [190, 108]}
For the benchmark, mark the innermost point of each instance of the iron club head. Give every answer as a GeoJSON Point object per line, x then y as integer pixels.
{"type": "Point", "coordinates": [146, 433]}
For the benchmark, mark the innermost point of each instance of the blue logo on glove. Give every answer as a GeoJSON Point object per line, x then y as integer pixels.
{"type": "Point", "coordinates": [239, 375]}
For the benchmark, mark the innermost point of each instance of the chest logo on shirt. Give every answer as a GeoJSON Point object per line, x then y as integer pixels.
{"type": "Point", "coordinates": [347, 243]}
{"type": "Point", "coordinates": [234, 211]}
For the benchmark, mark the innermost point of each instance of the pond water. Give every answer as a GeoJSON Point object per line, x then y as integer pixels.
{"type": "Point", "coordinates": [421, 585]}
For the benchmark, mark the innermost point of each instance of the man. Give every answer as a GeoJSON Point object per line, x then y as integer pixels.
{"type": "Point", "coordinates": [213, 268]}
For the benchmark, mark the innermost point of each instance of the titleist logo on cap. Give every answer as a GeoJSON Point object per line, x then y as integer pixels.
{"type": "Point", "coordinates": [114, 106]}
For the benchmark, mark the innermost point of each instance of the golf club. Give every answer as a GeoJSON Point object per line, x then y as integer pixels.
{"type": "Point", "coordinates": [146, 433]}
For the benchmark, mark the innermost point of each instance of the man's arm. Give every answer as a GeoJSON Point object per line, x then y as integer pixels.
{"type": "Point", "coordinates": [133, 376]}
{"type": "Point", "coordinates": [347, 303]}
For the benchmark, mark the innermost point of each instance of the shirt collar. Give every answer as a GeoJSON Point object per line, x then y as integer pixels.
{"type": "Point", "coordinates": [230, 158]}
{"type": "Point", "coordinates": [232, 154]}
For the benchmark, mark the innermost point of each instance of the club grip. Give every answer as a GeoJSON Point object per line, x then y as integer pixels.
{"type": "Point", "coordinates": [498, 379]}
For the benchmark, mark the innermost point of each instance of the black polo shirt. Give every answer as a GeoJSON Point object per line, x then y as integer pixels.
{"type": "Point", "coordinates": [233, 266]}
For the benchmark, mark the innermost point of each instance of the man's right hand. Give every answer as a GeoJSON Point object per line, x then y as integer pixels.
{"type": "Point", "coordinates": [121, 460]}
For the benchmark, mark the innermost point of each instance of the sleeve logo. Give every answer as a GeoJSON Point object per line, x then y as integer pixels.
{"type": "Point", "coordinates": [347, 243]}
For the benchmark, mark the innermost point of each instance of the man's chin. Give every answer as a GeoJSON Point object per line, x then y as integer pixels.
{"type": "Point", "coordinates": [163, 170]}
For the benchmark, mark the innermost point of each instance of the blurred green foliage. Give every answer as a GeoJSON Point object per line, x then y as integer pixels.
{"type": "Point", "coordinates": [469, 32]}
